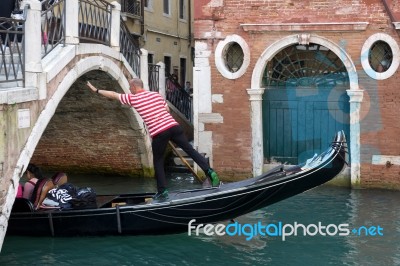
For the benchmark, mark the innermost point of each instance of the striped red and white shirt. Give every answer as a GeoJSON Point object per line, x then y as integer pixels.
{"type": "Point", "coordinates": [152, 108]}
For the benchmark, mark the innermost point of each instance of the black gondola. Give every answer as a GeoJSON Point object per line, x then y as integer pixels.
{"type": "Point", "coordinates": [133, 214]}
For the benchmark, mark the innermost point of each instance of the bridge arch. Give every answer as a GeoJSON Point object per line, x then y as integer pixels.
{"type": "Point", "coordinates": [83, 66]}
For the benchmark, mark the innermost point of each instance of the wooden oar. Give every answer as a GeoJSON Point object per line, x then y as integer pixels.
{"type": "Point", "coordinates": [184, 161]}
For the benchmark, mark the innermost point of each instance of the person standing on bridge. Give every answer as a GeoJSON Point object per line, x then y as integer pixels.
{"type": "Point", "coordinates": [162, 128]}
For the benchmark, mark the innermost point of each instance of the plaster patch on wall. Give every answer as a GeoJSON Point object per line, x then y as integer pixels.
{"type": "Point", "coordinates": [215, 3]}
{"type": "Point", "coordinates": [212, 34]}
{"type": "Point", "coordinates": [385, 160]}
{"type": "Point", "coordinates": [24, 118]}
{"type": "Point", "coordinates": [211, 118]}
{"type": "Point", "coordinates": [217, 98]}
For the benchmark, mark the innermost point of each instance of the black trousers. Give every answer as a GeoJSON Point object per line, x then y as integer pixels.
{"type": "Point", "coordinates": [159, 144]}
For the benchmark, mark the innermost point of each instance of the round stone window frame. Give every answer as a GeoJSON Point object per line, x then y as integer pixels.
{"type": "Point", "coordinates": [220, 60]}
{"type": "Point", "coordinates": [365, 56]}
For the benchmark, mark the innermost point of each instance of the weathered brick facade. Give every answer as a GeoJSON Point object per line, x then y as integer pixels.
{"type": "Point", "coordinates": [87, 132]}
{"type": "Point", "coordinates": [346, 23]}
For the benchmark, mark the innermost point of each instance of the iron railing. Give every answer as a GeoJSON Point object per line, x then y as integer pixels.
{"type": "Point", "coordinates": [12, 36]}
{"type": "Point", "coordinates": [95, 21]}
{"type": "Point", "coordinates": [94, 27]}
{"type": "Point", "coordinates": [154, 80]}
{"type": "Point", "coordinates": [129, 48]}
{"type": "Point", "coordinates": [52, 24]}
{"type": "Point", "coordinates": [178, 96]}
{"type": "Point", "coordinates": [132, 7]}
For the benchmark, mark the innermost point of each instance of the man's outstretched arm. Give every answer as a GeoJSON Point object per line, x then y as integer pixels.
{"type": "Point", "coordinates": [108, 94]}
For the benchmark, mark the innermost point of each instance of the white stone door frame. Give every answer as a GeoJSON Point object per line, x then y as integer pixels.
{"type": "Point", "coordinates": [255, 96]}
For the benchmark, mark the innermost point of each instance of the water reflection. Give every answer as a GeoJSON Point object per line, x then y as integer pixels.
{"type": "Point", "coordinates": [327, 205]}
{"type": "Point", "coordinates": [375, 208]}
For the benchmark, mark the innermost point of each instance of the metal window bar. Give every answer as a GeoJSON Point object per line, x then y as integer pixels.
{"type": "Point", "coordinates": [52, 25]}
{"type": "Point", "coordinates": [95, 21]}
{"type": "Point", "coordinates": [380, 56]}
{"type": "Point", "coordinates": [12, 38]}
{"type": "Point", "coordinates": [129, 48]}
{"type": "Point", "coordinates": [132, 7]}
{"type": "Point", "coordinates": [234, 57]}
{"type": "Point", "coordinates": [154, 81]}
{"type": "Point", "coordinates": [178, 97]}
{"type": "Point", "coordinates": [311, 65]}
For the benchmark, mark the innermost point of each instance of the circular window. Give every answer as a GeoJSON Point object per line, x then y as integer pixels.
{"type": "Point", "coordinates": [380, 56]}
{"type": "Point", "coordinates": [232, 57]}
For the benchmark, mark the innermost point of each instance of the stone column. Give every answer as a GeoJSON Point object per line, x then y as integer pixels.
{"type": "Point", "coordinates": [144, 68]}
{"type": "Point", "coordinates": [356, 97]}
{"type": "Point", "coordinates": [255, 97]}
{"type": "Point", "coordinates": [161, 79]}
{"type": "Point", "coordinates": [115, 25]}
{"type": "Point", "coordinates": [33, 45]}
{"type": "Point", "coordinates": [202, 105]}
{"type": "Point", "coordinates": [71, 22]}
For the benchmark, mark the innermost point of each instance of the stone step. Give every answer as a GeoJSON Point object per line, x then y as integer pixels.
{"type": "Point", "coordinates": [181, 152]}
{"type": "Point", "coordinates": [178, 161]}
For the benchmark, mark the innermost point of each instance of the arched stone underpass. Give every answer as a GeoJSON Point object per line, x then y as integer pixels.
{"type": "Point", "coordinates": [91, 134]}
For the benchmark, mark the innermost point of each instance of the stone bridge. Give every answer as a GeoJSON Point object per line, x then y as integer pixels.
{"type": "Point", "coordinates": [47, 114]}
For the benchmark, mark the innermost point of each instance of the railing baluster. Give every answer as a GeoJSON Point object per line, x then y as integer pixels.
{"type": "Point", "coordinates": [154, 80]}
{"type": "Point", "coordinates": [12, 56]}
{"type": "Point", "coordinates": [179, 97]}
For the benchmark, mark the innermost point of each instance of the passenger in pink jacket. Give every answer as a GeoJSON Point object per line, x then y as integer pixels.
{"type": "Point", "coordinates": [33, 174]}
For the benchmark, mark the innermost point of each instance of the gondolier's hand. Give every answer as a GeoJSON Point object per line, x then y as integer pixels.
{"type": "Point", "coordinates": [93, 88]}
{"type": "Point", "coordinates": [108, 94]}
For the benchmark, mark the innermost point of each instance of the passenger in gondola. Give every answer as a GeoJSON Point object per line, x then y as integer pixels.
{"type": "Point", "coordinates": [33, 173]}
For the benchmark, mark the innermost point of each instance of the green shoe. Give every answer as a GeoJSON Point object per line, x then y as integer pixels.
{"type": "Point", "coordinates": [214, 177]}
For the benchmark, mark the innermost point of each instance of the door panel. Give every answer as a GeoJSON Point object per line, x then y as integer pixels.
{"type": "Point", "coordinates": [298, 123]}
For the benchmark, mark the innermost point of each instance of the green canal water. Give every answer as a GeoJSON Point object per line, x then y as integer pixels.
{"type": "Point", "coordinates": [374, 214]}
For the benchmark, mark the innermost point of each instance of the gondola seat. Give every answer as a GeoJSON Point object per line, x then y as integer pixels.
{"type": "Point", "coordinates": [59, 179]}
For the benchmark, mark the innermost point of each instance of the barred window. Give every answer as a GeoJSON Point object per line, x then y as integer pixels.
{"type": "Point", "coordinates": [233, 57]}
{"type": "Point", "coordinates": [310, 65]}
{"type": "Point", "coordinates": [380, 56]}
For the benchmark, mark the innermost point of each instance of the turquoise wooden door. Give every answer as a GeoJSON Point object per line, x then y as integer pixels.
{"type": "Point", "coordinates": [299, 122]}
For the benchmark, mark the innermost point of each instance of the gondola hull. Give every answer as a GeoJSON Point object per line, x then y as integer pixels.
{"type": "Point", "coordinates": [136, 214]}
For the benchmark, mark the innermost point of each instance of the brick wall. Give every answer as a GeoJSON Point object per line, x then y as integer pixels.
{"type": "Point", "coordinates": [380, 123]}
{"type": "Point", "coordinates": [90, 134]}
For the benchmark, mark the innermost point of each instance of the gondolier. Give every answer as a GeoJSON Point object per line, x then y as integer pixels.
{"type": "Point", "coordinates": [162, 128]}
